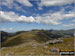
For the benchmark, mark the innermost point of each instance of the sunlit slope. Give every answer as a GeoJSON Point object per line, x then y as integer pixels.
{"type": "Point", "coordinates": [26, 37]}
{"type": "Point", "coordinates": [31, 42]}
{"type": "Point", "coordinates": [29, 48]}
{"type": "Point", "coordinates": [66, 45]}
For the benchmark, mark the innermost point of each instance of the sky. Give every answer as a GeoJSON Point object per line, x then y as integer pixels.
{"type": "Point", "coordinates": [17, 15]}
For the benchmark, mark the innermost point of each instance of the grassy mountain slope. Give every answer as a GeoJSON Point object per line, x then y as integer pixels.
{"type": "Point", "coordinates": [30, 42]}
{"type": "Point", "coordinates": [26, 37]}
{"type": "Point", "coordinates": [5, 35]}
{"type": "Point", "coordinates": [29, 48]}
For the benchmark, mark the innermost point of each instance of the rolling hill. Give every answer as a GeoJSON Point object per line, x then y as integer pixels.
{"type": "Point", "coordinates": [32, 42]}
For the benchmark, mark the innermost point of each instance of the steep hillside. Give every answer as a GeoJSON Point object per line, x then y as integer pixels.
{"type": "Point", "coordinates": [5, 35]}
{"type": "Point", "coordinates": [26, 37]}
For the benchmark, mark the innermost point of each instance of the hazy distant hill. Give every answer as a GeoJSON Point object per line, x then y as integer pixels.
{"type": "Point", "coordinates": [69, 32]}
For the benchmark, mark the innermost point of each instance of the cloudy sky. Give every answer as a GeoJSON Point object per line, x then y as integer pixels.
{"type": "Point", "coordinates": [16, 15]}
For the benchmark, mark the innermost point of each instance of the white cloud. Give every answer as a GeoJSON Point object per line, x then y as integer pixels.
{"type": "Point", "coordinates": [55, 2]}
{"type": "Point", "coordinates": [54, 18]}
{"type": "Point", "coordinates": [25, 2]}
{"type": "Point", "coordinates": [10, 29]}
{"type": "Point", "coordinates": [40, 8]}
{"type": "Point", "coordinates": [11, 3]}
{"type": "Point", "coordinates": [13, 17]}
{"type": "Point", "coordinates": [8, 16]}
{"type": "Point", "coordinates": [7, 29]}
{"type": "Point", "coordinates": [73, 20]}
{"type": "Point", "coordinates": [8, 3]}
{"type": "Point", "coordinates": [19, 8]}
{"type": "Point", "coordinates": [47, 18]}
{"type": "Point", "coordinates": [68, 25]}
{"type": "Point", "coordinates": [26, 19]}
{"type": "Point", "coordinates": [71, 14]}
{"type": "Point", "coordinates": [3, 29]}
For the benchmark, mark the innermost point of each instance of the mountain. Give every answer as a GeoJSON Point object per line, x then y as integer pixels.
{"type": "Point", "coordinates": [36, 42]}
{"type": "Point", "coordinates": [26, 37]}
{"type": "Point", "coordinates": [70, 31]}
{"type": "Point", "coordinates": [6, 35]}
{"type": "Point", "coordinates": [11, 39]}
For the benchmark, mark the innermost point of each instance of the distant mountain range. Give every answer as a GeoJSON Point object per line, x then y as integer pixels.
{"type": "Point", "coordinates": [38, 35]}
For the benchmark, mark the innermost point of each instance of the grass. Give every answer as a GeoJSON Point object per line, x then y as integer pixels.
{"type": "Point", "coordinates": [68, 44]}
{"type": "Point", "coordinates": [20, 44]}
